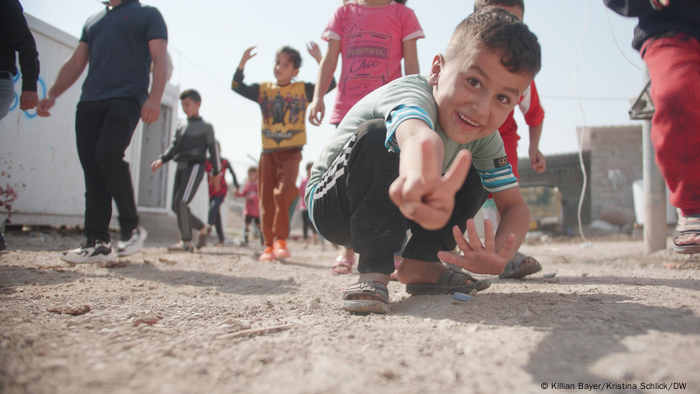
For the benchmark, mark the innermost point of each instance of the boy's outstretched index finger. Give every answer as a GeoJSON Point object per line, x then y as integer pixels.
{"type": "Point", "coordinates": [430, 166]}
{"type": "Point", "coordinates": [457, 173]}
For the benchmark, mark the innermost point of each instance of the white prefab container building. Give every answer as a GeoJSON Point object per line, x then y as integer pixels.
{"type": "Point", "coordinates": [41, 180]}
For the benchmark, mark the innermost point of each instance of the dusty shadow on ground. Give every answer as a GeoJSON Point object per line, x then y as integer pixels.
{"type": "Point", "coordinates": [581, 328]}
{"type": "Point", "coordinates": [570, 349]}
{"type": "Point", "coordinates": [223, 283]}
{"type": "Point", "coordinates": [9, 281]}
{"type": "Point", "coordinates": [10, 274]}
{"type": "Point", "coordinates": [689, 284]}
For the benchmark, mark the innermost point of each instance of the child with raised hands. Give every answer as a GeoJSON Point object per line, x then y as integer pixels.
{"type": "Point", "coordinates": [421, 153]}
{"type": "Point", "coordinates": [282, 104]}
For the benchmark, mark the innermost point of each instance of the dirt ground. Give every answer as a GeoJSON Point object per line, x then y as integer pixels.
{"type": "Point", "coordinates": [219, 321]}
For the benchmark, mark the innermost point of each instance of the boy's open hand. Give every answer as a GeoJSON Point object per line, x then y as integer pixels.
{"type": "Point", "coordinates": [157, 163]}
{"type": "Point", "coordinates": [478, 258]}
{"type": "Point", "coordinates": [44, 105]}
{"type": "Point", "coordinates": [425, 196]}
{"type": "Point", "coordinates": [247, 55]}
{"type": "Point", "coordinates": [314, 50]}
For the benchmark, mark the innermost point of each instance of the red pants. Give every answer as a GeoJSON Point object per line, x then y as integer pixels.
{"type": "Point", "coordinates": [674, 68]}
{"type": "Point", "coordinates": [277, 189]}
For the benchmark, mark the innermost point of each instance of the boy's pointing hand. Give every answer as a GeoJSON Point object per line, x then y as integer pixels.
{"type": "Point", "coordinates": [423, 194]}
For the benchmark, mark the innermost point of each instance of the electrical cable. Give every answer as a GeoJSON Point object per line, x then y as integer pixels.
{"type": "Point", "coordinates": [583, 131]}
{"type": "Point", "coordinates": [607, 14]}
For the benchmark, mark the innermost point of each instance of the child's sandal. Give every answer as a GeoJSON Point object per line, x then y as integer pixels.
{"type": "Point", "coordinates": [377, 290]}
{"type": "Point", "coordinates": [343, 265]}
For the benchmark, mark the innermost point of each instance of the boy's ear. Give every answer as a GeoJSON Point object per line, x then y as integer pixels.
{"type": "Point", "coordinates": [435, 69]}
{"type": "Point", "coordinates": [296, 71]}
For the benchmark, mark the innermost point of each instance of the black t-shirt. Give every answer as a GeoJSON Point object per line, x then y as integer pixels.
{"type": "Point", "coordinates": [120, 60]}
{"type": "Point", "coordinates": [680, 16]}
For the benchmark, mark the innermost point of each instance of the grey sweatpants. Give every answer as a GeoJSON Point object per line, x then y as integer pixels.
{"type": "Point", "coordinates": [187, 182]}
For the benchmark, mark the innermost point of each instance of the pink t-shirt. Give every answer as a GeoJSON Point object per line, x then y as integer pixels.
{"type": "Point", "coordinates": [371, 45]}
{"type": "Point", "coordinates": [252, 202]}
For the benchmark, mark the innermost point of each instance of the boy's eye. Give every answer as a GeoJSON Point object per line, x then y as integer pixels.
{"type": "Point", "coordinates": [503, 99]}
{"type": "Point", "coordinates": [474, 82]}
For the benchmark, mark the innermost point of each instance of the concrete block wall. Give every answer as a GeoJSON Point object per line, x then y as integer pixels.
{"type": "Point", "coordinates": [616, 162]}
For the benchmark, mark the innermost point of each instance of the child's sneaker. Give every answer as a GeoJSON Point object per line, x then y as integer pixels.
{"type": "Point", "coordinates": [280, 249]}
{"type": "Point", "coordinates": [92, 251]}
{"type": "Point", "coordinates": [181, 246]}
{"type": "Point", "coordinates": [267, 255]}
{"type": "Point", "coordinates": [134, 243]}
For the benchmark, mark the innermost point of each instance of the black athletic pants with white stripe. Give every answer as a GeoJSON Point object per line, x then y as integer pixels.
{"type": "Point", "coordinates": [187, 182]}
{"type": "Point", "coordinates": [351, 205]}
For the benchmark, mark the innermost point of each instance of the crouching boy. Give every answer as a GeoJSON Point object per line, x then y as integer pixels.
{"type": "Point", "coordinates": [421, 153]}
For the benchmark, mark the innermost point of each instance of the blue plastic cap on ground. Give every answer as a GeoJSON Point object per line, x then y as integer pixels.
{"type": "Point", "coordinates": [462, 297]}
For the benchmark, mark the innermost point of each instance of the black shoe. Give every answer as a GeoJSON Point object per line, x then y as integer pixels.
{"type": "Point", "coordinates": [3, 245]}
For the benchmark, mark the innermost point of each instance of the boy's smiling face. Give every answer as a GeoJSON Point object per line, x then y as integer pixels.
{"type": "Point", "coordinates": [284, 69]}
{"type": "Point", "coordinates": [474, 93]}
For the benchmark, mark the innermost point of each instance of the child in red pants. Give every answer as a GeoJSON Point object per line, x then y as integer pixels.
{"type": "Point", "coordinates": [668, 38]}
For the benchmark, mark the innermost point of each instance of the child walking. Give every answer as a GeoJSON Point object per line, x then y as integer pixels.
{"type": "Point", "coordinates": [371, 36]}
{"type": "Point", "coordinates": [193, 138]}
{"type": "Point", "coordinates": [251, 211]}
{"type": "Point", "coordinates": [283, 137]}
{"type": "Point", "coordinates": [216, 198]}
{"type": "Point", "coordinates": [382, 172]}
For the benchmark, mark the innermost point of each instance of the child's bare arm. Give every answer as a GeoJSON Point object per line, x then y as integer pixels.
{"type": "Point", "coordinates": [328, 64]}
{"type": "Point", "coordinates": [497, 251]}
{"type": "Point", "coordinates": [420, 191]}
{"type": "Point", "coordinates": [410, 57]}
{"type": "Point", "coordinates": [537, 160]}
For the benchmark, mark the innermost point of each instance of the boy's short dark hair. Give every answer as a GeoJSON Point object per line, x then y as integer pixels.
{"type": "Point", "coordinates": [479, 4]}
{"type": "Point", "coordinates": [497, 29]}
{"type": "Point", "coordinates": [252, 168]}
{"type": "Point", "coordinates": [293, 54]}
{"type": "Point", "coordinates": [191, 93]}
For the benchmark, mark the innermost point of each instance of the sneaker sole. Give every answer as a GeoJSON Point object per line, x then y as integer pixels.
{"type": "Point", "coordinates": [364, 307]}
{"type": "Point", "coordinates": [142, 237]}
{"type": "Point", "coordinates": [282, 255]}
{"type": "Point", "coordinates": [102, 258]}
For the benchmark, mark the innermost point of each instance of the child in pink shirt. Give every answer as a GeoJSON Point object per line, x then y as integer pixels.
{"type": "Point", "coordinates": [372, 36]}
{"type": "Point", "coordinates": [251, 212]}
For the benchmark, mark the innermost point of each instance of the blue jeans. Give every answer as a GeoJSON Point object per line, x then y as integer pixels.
{"type": "Point", "coordinates": [215, 215]}
{"type": "Point", "coordinates": [7, 96]}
